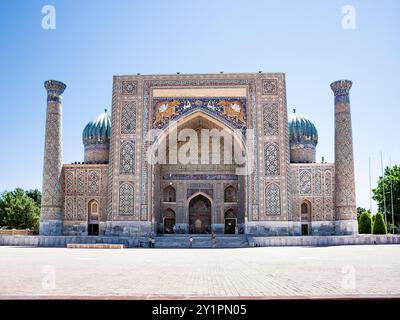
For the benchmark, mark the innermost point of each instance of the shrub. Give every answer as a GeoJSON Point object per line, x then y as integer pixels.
{"type": "Point", "coordinates": [365, 223]}
{"type": "Point", "coordinates": [379, 225]}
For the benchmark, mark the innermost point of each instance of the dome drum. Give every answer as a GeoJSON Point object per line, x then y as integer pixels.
{"type": "Point", "coordinates": [303, 138]}
{"type": "Point", "coordinates": [96, 139]}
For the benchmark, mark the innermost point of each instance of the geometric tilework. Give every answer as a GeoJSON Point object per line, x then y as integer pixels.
{"type": "Point", "coordinates": [269, 87]}
{"type": "Point", "coordinates": [129, 87]}
{"type": "Point", "coordinates": [270, 119]}
{"type": "Point", "coordinates": [272, 160]}
{"type": "Point", "coordinates": [305, 182]}
{"type": "Point", "coordinates": [127, 158]}
{"type": "Point", "coordinates": [318, 186]}
{"type": "Point", "coordinates": [126, 202]}
{"type": "Point", "coordinates": [93, 182]}
{"type": "Point", "coordinates": [272, 200]}
{"type": "Point", "coordinates": [328, 183]}
{"type": "Point", "coordinates": [128, 119]}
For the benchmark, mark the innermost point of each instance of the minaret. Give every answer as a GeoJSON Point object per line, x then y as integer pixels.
{"type": "Point", "coordinates": [345, 194]}
{"type": "Point", "coordinates": [52, 192]}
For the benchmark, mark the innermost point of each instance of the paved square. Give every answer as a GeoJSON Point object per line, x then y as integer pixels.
{"type": "Point", "coordinates": [273, 272]}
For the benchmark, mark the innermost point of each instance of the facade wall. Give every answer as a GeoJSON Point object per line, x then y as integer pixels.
{"type": "Point", "coordinates": [264, 95]}
{"type": "Point", "coordinates": [314, 183]}
{"type": "Point", "coordinates": [129, 189]}
{"type": "Point", "coordinates": [83, 183]}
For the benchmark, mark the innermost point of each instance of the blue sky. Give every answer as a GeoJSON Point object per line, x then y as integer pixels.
{"type": "Point", "coordinates": [95, 40]}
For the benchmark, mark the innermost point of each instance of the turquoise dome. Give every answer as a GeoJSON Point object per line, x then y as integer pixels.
{"type": "Point", "coordinates": [98, 131]}
{"type": "Point", "coordinates": [301, 130]}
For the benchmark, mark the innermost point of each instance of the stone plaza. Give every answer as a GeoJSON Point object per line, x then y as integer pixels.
{"type": "Point", "coordinates": [245, 273]}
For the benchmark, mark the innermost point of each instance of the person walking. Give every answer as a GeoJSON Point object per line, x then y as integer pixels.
{"type": "Point", "coordinates": [149, 241]}
{"type": "Point", "coordinates": [153, 242]}
{"type": "Point", "coordinates": [190, 242]}
{"type": "Point", "coordinates": [213, 239]}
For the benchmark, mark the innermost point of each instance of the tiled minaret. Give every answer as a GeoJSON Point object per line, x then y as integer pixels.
{"type": "Point", "coordinates": [52, 193]}
{"type": "Point", "coordinates": [345, 194]}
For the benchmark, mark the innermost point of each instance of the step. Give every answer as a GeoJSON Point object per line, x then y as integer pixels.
{"type": "Point", "coordinates": [200, 241]}
{"type": "Point", "coordinates": [94, 246]}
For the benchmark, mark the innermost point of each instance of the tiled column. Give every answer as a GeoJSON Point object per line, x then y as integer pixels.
{"type": "Point", "coordinates": [52, 192]}
{"type": "Point", "coordinates": [345, 195]}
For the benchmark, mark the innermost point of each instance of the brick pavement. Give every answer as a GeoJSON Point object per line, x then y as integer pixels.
{"type": "Point", "coordinates": [275, 272]}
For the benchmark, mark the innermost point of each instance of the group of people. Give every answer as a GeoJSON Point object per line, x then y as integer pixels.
{"type": "Point", "coordinates": [213, 240]}
{"type": "Point", "coordinates": [152, 240]}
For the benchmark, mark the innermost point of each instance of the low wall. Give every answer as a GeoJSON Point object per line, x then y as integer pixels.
{"type": "Point", "coordinates": [62, 241]}
{"type": "Point", "coordinates": [24, 232]}
{"type": "Point", "coordinates": [315, 241]}
{"type": "Point", "coordinates": [254, 241]}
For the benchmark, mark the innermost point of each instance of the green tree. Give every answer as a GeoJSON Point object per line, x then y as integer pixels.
{"type": "Point", "coordinates": [36, 195]}
{"type": "Point", "coordinates": [379, 225]}
{"type": "Point", "coordinates": [391, 175]}
{"type": "Point", "coordinates": [365, 223]}
{"type": "Point", "coordinates": [360, 211]}
{"type": "Point", "coordinates": [19, 211]}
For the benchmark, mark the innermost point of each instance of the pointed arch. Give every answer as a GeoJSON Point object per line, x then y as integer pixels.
{"type": "Point", "coordinates": [230, 194]}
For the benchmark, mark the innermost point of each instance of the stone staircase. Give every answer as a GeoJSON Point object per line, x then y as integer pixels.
{"type": "Point", "coordinates": [201, 241]}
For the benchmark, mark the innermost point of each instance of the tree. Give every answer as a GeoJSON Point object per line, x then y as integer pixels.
{"type": "Point", "coordinates": [36, 196]}
{"type": "Point", "coordinates": [379, 225]}
{"type": "Point", "coordinates": [391, 175]}
{"type": "Point", "coordinates": [360, 211]}
{"type": "Point", "coordinates": [365, 223]}
{"type": "Point", "coordinates": [19, 211]}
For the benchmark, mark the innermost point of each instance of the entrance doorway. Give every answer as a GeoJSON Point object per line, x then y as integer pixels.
{"type": "Point", "coordinates": [93, 229]}
{"type": "Point", "coordinates": [93, 218]}
{"type": "Point", "coordinates": [169, 225]}
{"type": "Point", "coordinates": [230, 226]}
{"type": "Point", "coordinates": [304, 229]}
{"type": "Point", "coordinates": [305, 217]}
{"type": "Point", "coordinates": [200, 215]}
{"type": "Point", "coordinates": [230, 222]}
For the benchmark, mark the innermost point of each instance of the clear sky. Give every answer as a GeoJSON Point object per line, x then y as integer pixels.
{"type": "Point", "coordinates": [95, 40]}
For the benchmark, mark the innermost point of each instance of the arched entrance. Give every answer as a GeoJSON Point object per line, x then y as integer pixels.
{"type": "Point", "coordinates": [200, 214]}
{"type": "Point", "coordinates": [305, 218]}
{"type": "Point", "coordinates": [93, 218]}
{"type": "Point", "coordinates": [169, 221]}
{"type": "Point", "coordinates": [230, 222]}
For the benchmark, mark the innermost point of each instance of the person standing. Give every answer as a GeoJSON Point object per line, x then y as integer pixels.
{"type": "Point", "coordinates": [149, 241]}
{"type": "Point", "coordinates": [153, 242]}
{"type": "Point", "coordinates": [190, 242]}
{"type": "Point", "coordinates": [213, 239]}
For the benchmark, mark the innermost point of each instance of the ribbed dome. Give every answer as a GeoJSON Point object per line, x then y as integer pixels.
{"type": "Point", "coordinates": [98, 131]}
{"type": "Point", "coordinates": [301, 130]}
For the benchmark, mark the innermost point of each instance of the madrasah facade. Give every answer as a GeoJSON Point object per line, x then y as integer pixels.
{"type": "Point", "coordinates": [157, 164]}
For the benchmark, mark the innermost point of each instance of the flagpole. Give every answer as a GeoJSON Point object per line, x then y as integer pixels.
{"type": "Point", "coordinates": [384, 194]}
{"type": "Point", "coordinates": [391, 191]}
{"type": "Point", "coordinates": [370, 188]}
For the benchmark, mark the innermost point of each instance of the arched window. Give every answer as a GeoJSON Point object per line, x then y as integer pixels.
{"type": "Point", "coordinates": [93, 210]}
{"type": "Point", "coordinates": [93, 218]}
{"type": "Point", "coordinates": [229, 214]}
{"type": "Point", "coordinates": [230, 194]}
{"type": "Point", "coordinates": [305, 210]}
{"type": "Point", "coordinates": [169, 194]}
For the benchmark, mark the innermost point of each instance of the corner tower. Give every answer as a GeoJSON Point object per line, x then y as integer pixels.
{"type": "Point", "coordinates": [345, 195]}
{"type": "Point", "coordinates": [52, 192]}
